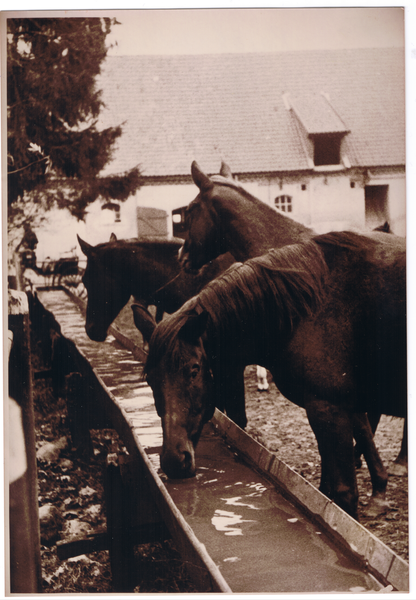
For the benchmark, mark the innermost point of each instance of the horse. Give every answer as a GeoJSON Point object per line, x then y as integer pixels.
{"type": "Point", "coordinates": [326, 317]}
{"type": "Point", "coordinates": [149, 270]}
{"type": "Point", "coordinates": [224, 217]}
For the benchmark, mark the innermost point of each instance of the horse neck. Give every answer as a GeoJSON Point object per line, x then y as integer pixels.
{"type": "Point", "coordinates": [252, 227]}
{"type": "Point", "coordinates": [142, 272]}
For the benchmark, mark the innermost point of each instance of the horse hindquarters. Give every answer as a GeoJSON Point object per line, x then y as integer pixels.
{"type": "Point", "coordinates": [332, 426]}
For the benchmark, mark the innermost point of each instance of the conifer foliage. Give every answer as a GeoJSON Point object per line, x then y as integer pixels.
{"type": "Point", "coordinates": [54, 144]}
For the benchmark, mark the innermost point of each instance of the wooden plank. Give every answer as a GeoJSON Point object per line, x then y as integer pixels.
{"type": "Point", "coordinates": [23, 552]}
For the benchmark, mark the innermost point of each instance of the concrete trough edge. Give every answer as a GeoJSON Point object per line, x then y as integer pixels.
{"type": "Point", "coordinates": [380, 560]}
{"type": "Point", "coordinates": [201, 568]}
{"type": "Point", "coordinates": [200, 565]}
{"type": "Point", "coordinates": [137, 352]}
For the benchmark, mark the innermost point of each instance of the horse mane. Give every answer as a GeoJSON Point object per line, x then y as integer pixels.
{"type": "Point", "coordinates": [346, 240]}
{"type": "Point", "coordinates": [283, 285]}
{"type": "Point", "coordinates": [164, 338]}
{"type": "Point", "coordinates": [287, 282]}
{"type": "Point", "coordinates": [235, 184]}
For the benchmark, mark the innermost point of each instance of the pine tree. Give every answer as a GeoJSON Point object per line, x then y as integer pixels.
{"type": "Point", "coordinates": [55, 150]}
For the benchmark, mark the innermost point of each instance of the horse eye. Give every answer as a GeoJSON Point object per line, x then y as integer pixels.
{"type": "Point", "coordinates": [195, 370]}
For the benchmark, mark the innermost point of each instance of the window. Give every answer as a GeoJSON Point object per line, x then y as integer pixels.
{"type": "Point", "coordinates": [283, 203]}
{"type": "Point", "coordinates": [112, 207]}
{"type": "Point", "coordinates": [326, 150]}
{"type": "Point", "coordinates": [178, 221]}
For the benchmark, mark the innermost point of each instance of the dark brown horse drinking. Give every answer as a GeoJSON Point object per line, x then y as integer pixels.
{"type": "Point", "coordinates": [327, 318]}
{"type": "Point", "coordinates": [149, 270]}
{"type": "Point", "coordinates": [224, 217]}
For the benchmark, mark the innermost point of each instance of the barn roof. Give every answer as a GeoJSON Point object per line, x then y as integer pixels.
{"type": "Point", "coordinates": [176, 109]}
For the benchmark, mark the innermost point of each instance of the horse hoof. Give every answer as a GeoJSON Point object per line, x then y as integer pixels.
{"type": "Point", "coordinates": [262, 388]}
{"type": "Point", "coordinates": [377, 507]}
{"type": "Point", "coordinates": [398, 469]}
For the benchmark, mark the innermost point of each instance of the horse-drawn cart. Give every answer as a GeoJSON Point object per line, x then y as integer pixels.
{"type": "Point", "coordinates": [66, 270]}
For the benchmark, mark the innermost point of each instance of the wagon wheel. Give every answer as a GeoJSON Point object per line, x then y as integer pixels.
{"type": "Point", "coordinates": [73, 281]}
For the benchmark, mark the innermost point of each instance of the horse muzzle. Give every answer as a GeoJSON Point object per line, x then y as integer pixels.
{"type": "Point", "coordinates": [179, 464]}
{"type": "Point", "coordinates": [95, 334]}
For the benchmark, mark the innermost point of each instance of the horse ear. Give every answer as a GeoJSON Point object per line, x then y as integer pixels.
{"type": "Point", "coordinates": [143, 320]}
{"type": "Point", "coordinates": [85, 247]}
{"type": "Point", "coordinates": [226, 171]}
{"type": "Point", "coordinates": [113, 237]}
{"type": "Point", "coordinates": [199, 178]}
{"type": "Point", "coordinates": [194, 326]}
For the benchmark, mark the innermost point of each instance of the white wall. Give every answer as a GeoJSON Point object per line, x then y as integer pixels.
{"type": "Point", "coordinates": [167, 197]}
{"type": "Point", "coordinates": [100, 224]}
{"type": "Point", "coordinates": [58, 235]}
{"type": "Point", "coordinates": [328, 203]}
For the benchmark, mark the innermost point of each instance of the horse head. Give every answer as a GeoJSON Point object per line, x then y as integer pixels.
{"type": "Point", "coordinates": [106, 293]}
{"type": "Point", "coordinates": [204, 239]}
{"type": "Point", "coordinates": [178, 372]}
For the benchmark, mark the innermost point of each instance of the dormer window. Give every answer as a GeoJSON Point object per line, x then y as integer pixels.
{"type": "Point", "coordinates": [321, 130]}
{"type": "Point", "coordinates": [327, 150]}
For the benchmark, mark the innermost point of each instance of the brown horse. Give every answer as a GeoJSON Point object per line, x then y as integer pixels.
{"type": "Point", "coordinates": [224, 217]}
{"type": "Point", "coordinates": [149, 270]}
{"type": "Point", "coordinates": [327, 318]}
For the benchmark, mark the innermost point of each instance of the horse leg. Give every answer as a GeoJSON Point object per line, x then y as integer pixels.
{"type": "Point", "coordinates": [374, 419]}
{"type": "Point", "coordinates": [399, 467]}
{"type": "Point", "coordinates": [332, 426]}
{"type": "Point", "coordinates": [262, 383]}
{"type": "Point", "coordinates": [230, 394]}
{"type": "Point", "coordinates": [364, 435]}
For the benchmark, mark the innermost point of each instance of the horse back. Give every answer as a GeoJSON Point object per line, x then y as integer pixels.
{"type": "Point", "coordinates": [353, 348]}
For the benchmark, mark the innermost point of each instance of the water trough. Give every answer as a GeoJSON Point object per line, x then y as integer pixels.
{"type": "Point", "coordinates": [246, 522]}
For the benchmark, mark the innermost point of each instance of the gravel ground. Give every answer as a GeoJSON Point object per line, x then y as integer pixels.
{"type": "Point", "coordinates": [284, 429]}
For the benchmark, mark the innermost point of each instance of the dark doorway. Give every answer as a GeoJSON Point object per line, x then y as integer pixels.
{"type": "Point", "coordinates": [376, 205]}
{"type": "Point", "coordinates": [178, 219]}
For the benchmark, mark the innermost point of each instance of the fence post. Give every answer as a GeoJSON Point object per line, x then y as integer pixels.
{"type": "Point", "coordinates": [24, 549]}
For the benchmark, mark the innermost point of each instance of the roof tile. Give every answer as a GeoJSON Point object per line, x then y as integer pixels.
{"type": "Point", "coordinates": [175, 109]}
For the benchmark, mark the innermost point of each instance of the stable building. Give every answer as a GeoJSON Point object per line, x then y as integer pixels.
{"type": "Point", "coordinates": [319, 135]}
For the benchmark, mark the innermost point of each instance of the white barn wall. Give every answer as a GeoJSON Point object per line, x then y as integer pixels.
{"type": "Point", "coordinates": [328, 203]}
{"type": "Point", "coordinates": [168, 197]}
{"type": "Point", "coordinates": [100, 224]}
{"type": "Point", "coordinates": [57, 235]}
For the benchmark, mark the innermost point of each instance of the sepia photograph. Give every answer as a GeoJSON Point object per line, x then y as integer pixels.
{"type": "Point", "coordinates": [204, 272]}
